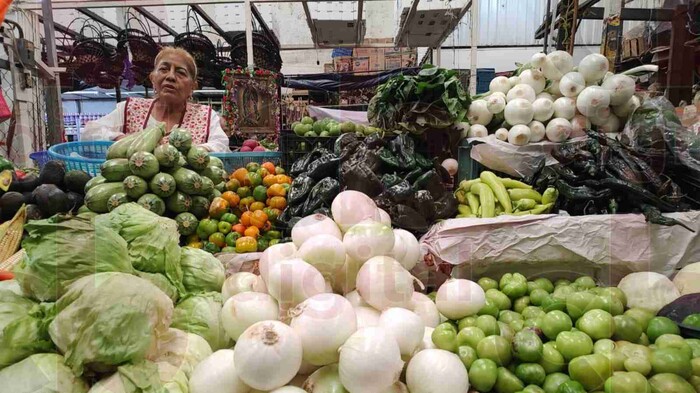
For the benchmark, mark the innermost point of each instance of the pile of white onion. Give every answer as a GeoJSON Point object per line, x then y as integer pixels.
{"type": "Point", "coordinates": [553, 100]}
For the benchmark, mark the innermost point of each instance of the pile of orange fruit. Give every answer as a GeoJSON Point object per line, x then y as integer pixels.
{"type": "Point", "coordinates": [242, 219]}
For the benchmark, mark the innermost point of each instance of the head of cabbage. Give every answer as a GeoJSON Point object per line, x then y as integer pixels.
{"type": "Point", "coordinates": [202, 272]}
{"type": "Point", "coordinates": [201, 314]}
{"type": "Point", "coordinates": [41, 373]}
{"type": "Point", "coordinates": [182, 350]}
{"type": "Point", "coordinates": [108, 319]}
{"type": "Point", "coordinates": [144, 377]}
{"type": "Point", "coordinates": [23, 328]}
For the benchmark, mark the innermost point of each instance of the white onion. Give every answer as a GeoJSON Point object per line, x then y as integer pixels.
{"type": "Point", "coordinates": [502, 134]}
{"type": "Point", "coordinates": [546, 95]}
{"type": "Point", "coordinates": [496, 103]}
{"type": "Point", "coordinates": [562, 60]}
{"type": "Point", "coordinates": [325, 379]}
{"type": "Point", "coordinates": [405, 326]}
{"type": "Point", "coordinates": [687, 280]}
{"type": "Point", "coordinates": [313, 225]}
{"type": "Point", "coordinates": [477, 131]}
{"type": "Point", "coordinates": [427, 342]}
{"type": "Point", "coordinates": [519, 135]}
{"type": "Point", "coordinates": [554, 89]}
{"type": "Point", "coordinates": [383, 217]}
{"type": "Point", "coordinates": [499, 94]}
{"type": "Point", "coordinates": [478, 113]}
{"type": "Point", "coordinates": [572, 84]}
{"type": "Point", "coordinates": [398, 387]}
{"type": "Point", "coordinates": [370, 361]}
{"type": "Point", "coordinates": [565, 108]}
{"type": "Point", "coordinates": [323, 323]}
{"type": "Point", "coordinates": [519, 111]}
{"type": "Point", "coordinates": [592, 101]}
{"type": "Point", "coordinates": [274, 254]}
{"type": "Point", "coordinates": [558, 130]}
{"type": "Point", "coordinates": [450, 165]}
{"type": "Point", "coordinates": [537, 131]}
{"type": "Point", "coordinates": [513, 80]}
{"type": "Point", "coordinates": [406, 249]}
{"type": "Point", "coordinates": [217, 374]}
{"type": "Point", "coordinates": [368, 239]}
{"type": "Point", "coordinates": [436, 370]}
{"type": "Point", "coordinates": [579, 125]}
{"type": "Point", "coordinates": [543, 109]}
{"type": "Point", "coordinates": [367, 317]}
{"type": "Point", "coordinates": [292, 281]}
{"type": "Point", "coordinates": [534, 79]}
{"type": "Point", "coordinates": [305, 369]}
{"type": "Point", "coordinates": [324, 252]}
{"type": "Point", "coordinates": [538, 59]}
{"type": "Point", "coordinates": [601, 116]}
{"type": "Point", "coordinates": [550, 71]}
{"type": "Point", "coordinates": [611, 125]}
{"type": "Point", "coordinates": [268, 355]}
{"type": "Point", "coordinates": [621, 88]}
{"type": "Point", "coordinates": [499, 84]}
{"type": "Point", "coordinates": [626, 109]}
{"type": "Point", "coordinates": [593, 67]}
{"type": "Point", "coordinates": [356, 300]}
{"type": "Point", "coordinates": [352, 207]}
{"type": "Point", "coordinates": [521, 91]}
{"type": "Point", "coordinates": [648, 290]}
{"type": "Point", "coordinates": [243, 310]}
{"type": "Point", "coordinates": [289, 389]}
{"type": "Point", "coordinates": [384, 283]}
{"type": "Point", "coordinates": [241, 282]}
{"type": "Point", "coordinates": [425, 309]}
{"type": "Point", "coordinates": [344, 279]}
{"type": "Point", "coordinates": [459, 298]}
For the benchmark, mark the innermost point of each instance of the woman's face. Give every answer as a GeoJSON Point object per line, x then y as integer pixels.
{"type": "Point", "coordinates": [171, 79]}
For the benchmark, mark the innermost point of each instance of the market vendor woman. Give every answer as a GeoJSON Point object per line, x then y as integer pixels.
{"type": "Point", "coordinates": [174, 79]}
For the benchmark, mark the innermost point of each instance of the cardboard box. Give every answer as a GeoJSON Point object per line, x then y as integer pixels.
{"type": "Point", "coordinates": [376, 63]}
{"type": "Point", "coordinates": [360, 64]}
{"type": "Point", "coordinates": [392, 62]}
{"type": "Point", "coordinates": [328, 68]}
{"type": "Point", "coordinates": [343, 64]}
{"type": "Point", "coordinates": [364, 52]}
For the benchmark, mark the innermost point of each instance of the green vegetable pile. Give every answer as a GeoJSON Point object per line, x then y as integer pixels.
{"type": "Point", "coordinates": [569, 337]}
{"type": "Point", "coordinates": [111, 299]}
{"type": "Point", "coordinates": [176, 179]}
{"type": "Point", "coordinates": [491, 196]}
{"type": "Point", "coordinates": [433, 99]}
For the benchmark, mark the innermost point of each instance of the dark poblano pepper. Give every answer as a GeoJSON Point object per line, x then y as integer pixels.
{"type": "Point", "coordinates": [388, 158]}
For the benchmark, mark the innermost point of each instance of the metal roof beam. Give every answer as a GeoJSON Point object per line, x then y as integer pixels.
{"type": "Point", "coordinates": [358, 23]}
{"type": "Point", "coordinates": [63, 29]}
{"type": "Point", "coordinates": [582, 8]}
{"type": "Point", "coordinates": [633, 14]}
{"type": "Point", "coordinates": [97, 18]}
{"type": "Point", "coordinates": [311, 23]}
{"type": "Point", "coordinates": [402, 30]}
{"type": "Point", "coordinates": [452, 26]}
{"type": "Point", "coordinates": [211, 22]}
{"type": "Point", "coordinates": [152, 18]}
{"type": "Point", "coordinates": [263, 24]}
{"type": "Point", "coordinates": [73, 4]}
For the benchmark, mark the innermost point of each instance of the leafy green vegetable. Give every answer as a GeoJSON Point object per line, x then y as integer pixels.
{"type": "Point", "coordinates": [199, 314]}
{"type": "Point", "coordinates": [433, 99]}
{"type": "Point", "coordinates": [23, 328]}
{"type": "Point", "coordinates": [201, 271]}
{"type": "Point", "coordinates": [144, 377]}
{"type": "Point", "coordinates": [108, 319]}
{"type": "Point", "coordinates": [41, 373]}
{"type": "Point", "coordinates": [63, 249]}
{"type": "Point", "coordinates": [182, 350]}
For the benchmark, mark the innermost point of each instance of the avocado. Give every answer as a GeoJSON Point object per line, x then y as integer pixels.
{"type": "Point", "coordinates": [10, 202]}
{"type": "Point", "coordinates": [75, 201]}
{"type": "Point", "coordinates": [6, 180]}
{"type": "Point", "coordinates": [52, 173]}
{"type": "Point", "coordinates": [34, 213]}
{"type": "Point", "coordinates": [28, 197]}
{"type": "Point", "coordinates": [51, 199]}
{"type": "Point", "coordinates": [26, 184]}
{"type": "Point", "coordinates": [76, 180]}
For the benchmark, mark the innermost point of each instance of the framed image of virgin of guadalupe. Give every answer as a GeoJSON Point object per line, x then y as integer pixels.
{"type": "Point", "coordinates": [251, 105]}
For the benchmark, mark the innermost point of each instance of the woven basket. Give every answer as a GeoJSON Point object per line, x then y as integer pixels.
{"type": "Point", "coordinates": [200, 47]}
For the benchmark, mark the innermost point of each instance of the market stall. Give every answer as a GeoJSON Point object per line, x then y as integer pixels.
{"type": "Point", "coordinates": [541, 236]}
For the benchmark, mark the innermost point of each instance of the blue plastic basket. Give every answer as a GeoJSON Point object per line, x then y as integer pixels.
{"type": "Point", "coordinates": [40, 158]}
{"type": "Point", "coordinates": [233, 161]}
{"type": "Point", "coordinates": [84, 156]}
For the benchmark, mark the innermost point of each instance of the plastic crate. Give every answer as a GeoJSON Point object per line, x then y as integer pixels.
{"type": "Point", "coordinates": [84, 156]}
{"type": "Point", "coordinates": [233, 161]}
{"type": "Point", "coordinates": [294, 146]}
{"type": "Point", "coordinates": [468, 168]}
{"type": "Point", "coordinates": [484, 76]}
{"type": "Point", "coordinates": [40, 158]}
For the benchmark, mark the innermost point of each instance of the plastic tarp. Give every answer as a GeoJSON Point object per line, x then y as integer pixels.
{"type": "Point", "coordinates": [605, 246]}
{"type": "Point", "coordinates": [357, 117]}
{"type": "Point", "coordinates": [343, 81]}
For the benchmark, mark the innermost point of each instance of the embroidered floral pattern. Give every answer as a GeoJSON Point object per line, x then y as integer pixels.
{"type": "Point", "coordinates": [196, 120]}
